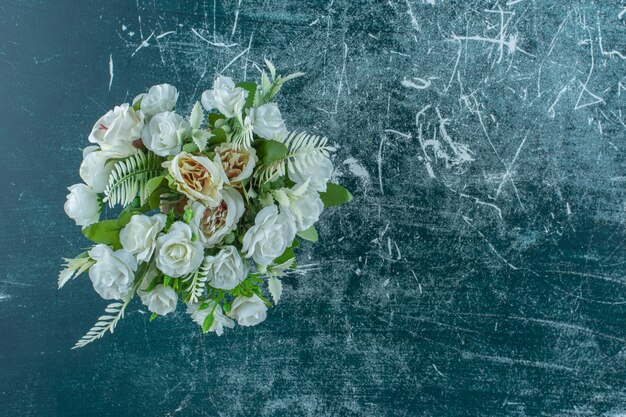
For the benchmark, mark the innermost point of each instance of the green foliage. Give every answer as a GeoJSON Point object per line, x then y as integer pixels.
{"type": "Point", "coordinates": [190, 147]}
{"type": "Point", "coordinates": [108, 231]}
{"type": "Point", "coordinates": [288, 254]}
{"type": "Point", "coordinates": [251, 88]}
{"type": "Point", "coordinates": [303, 151]}
{"type": "Point", "coordinates": [219, 136]}
{"type": "Point", "coordinates": [335, 195]}
{"type": "Point", "coordinates": [269, 151]}
{"type": "Point", "coordinates": [271, 86]}
{"type": "Point", "coordinates": [214, 117]}
{"type": "Point", "coordinates": [309, 234]}
{"type": "Point", "coordinates": [129, 178]}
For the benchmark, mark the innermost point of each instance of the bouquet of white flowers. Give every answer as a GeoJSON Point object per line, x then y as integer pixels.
{"type": "Point", "coordinates": [212, 205]}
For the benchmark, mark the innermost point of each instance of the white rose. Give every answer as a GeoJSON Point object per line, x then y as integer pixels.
{"type": "Point", "coordinates": [161, 300]}
{"type": "Point", "coordinates": [225, 97]}
{"type": "Point", "coordinates": [116, 130]}
{"type": "Point", "coordinates": [318, 174]}
{"type": "Point", "coordinates": [139, 236]}
{"type": "Point", "coordinates": [226, 269]}
{"type": "Point", "coordinates": [158, 99]}
{"type": "Point", "coordinates": [219, 319]}
{"type": "Point", "coordinates": [271, 234]}
{"type": "Point", "coordinates": [213, 223]}
{"type": "Point", "coordinates": [267, 121]}
{"type": "Point", "coordinates": [164, 134]}
{"type": "Point", "coordinates": [96, 168]}
{"type": "Point", "coordinates": [306, 209]}
{"type": "Point", "coordinates": [248, 311]}
{"type": "Point", "coordinates": [113, 273]}
{"type": "Point", "coordinates": [238, 164]}
{"type": "Point", "coordinates": [198, 177]}
{"type": "Point", "coordinates": [82, 205]}
{"type": "Point", "coordinates": [177, 255]}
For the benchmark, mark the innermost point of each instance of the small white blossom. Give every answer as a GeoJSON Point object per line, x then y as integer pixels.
{"type": "Point", "coordinates": [248, 311]}
{"type": "Point", "coordinates": [267, 121]}
{"type": "Point", "coordinates": [139, 235]}
{"type": "Point", "coordinates": [161, 300]}
{"type": "Point", "coordinates": [226, 269]}
{"type": "Point", "coordinates": [113, 273]}
{"type": "Point", "coordinates": [164, 134]}
{"type": "Point", "coordinates": [225, 97]}
{"type": "Point", "coordinates": [116, 131]}
{"type": "Point", "coordinates": [96, 168]}
{"type": "Point", "coordinates": [177, 254]}
{"type": "Point", "coordinates": [82, 205]}
{"type": "Point", "coordinates": [159, 98]}
{"type": "Point", "coordinates": [272, 233]}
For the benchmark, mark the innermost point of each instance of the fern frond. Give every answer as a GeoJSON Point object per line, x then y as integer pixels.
{"type": "Point", "coordinates": [198, 282]}
{"type": "Point", "coordinates": [106, 322]}
{"type": "Point", "coordinates": [303, 150]}
{"type": "Point", "coordinates": [74, 267]}
{"type": "Point", "coordinates": [129, 178]}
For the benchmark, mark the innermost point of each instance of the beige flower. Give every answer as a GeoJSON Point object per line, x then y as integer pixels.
{"type": "Point", "coordinates": [238, 164]}
{"type": "Point", "coordinates": [214, 223]}
{"type": "Point", "coordinates": [198, 177]}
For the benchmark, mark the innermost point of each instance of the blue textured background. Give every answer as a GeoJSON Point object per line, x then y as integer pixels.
{"type": "Point", "coordinates": [478, 271]}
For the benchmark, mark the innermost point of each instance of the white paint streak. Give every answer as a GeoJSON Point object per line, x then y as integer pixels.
{"type": "Point", "coordinates": [110, 71]}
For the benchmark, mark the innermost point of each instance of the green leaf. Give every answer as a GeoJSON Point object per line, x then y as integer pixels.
{"type": "Point", "coordinates": [335, 195]}
{"type": "Point", "coordinates": [153, 316]}
{"type": "Point", "coordinates": [154, 200]}
{"type": "Point", "coordinates": [190, 147]}
{"type": "Point", "coordinates": [251, 88]}
{"type": "Point", "coordinates": [219, 136]}
{"type": "Point", "coordinates": [214, 117]}
{"type": "Point", "coordinates": [106, 231]}
{"type": "Point", "coordinates": [153, 283]}
{"type": "Point", "coordinates": [167, 280]}
{"type": "Point", "coordinates": [208, 321]}
{"type": "Point", "coordinates": [288, 254]}
{"type": "Point", "coordinates": [154, 183]}
{"type": "Point", "coordinates": [309, 234]}
{"type": "Point", "coordinates": [269, 151]}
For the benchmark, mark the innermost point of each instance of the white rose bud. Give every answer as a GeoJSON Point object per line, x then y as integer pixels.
{"type": "Point", "coordinates": [82, 205]}
{"type": "Point", "coordinates": [238, 164]}
{"type": "Point", "coordinates": [267, 121]}
{"type": "Point", "coordinates": [212, 224]}
{"type": "Point", "coordinates": [177, 255]}
{"type": "Point", "coordinates": [96, 168]}
{"type": "Point", "coordinates": [158, 99]}
{"type": "Point", "coordinates": [164, 134]}
{"type": "Point", "coordinates": [225, 97]}
{"type": "Point", "coordinates": [161, 300]}
{"type": "Point", "coordinates": [116, 130]}
{"type": "Point", "coordinates": [271, 234]}
{"type": "Point", "coordinates": [248, 311]}
{"type": "Point", "coordinates": [198, 177]}
{"type": "Point", "coordinates": [226, 269]}
{"type": "Point", "coordinates": [113, 273]}
{"type": "Point", "coordinates": [139, 236]}
{"type": "Point", "coordinates": [219, 319]}
{"type": "Point", "coordinates": [318, 174]}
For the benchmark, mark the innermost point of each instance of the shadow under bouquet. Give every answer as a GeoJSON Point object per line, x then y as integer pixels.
{"type": "Point", "coordinates": [213, 205]}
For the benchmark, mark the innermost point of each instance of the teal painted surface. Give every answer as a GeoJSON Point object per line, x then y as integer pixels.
{"type": "Point", "coordinates": [477, 272]}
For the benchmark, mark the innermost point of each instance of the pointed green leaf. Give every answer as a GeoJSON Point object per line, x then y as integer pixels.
{"type": "Point", "coordinates": [251, 88]}
{"type": "Point", "coordinates": [335, 195]}
{"type": "Point", "coordinates": [269, 151]}
{"type": "Point", "coordinates": [309, 234]}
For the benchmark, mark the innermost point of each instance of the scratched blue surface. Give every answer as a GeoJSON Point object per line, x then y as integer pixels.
{"type": "Point", "coordinates": [478, 271]}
